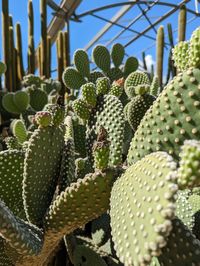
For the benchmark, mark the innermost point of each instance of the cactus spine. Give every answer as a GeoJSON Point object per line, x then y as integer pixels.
{"type": "Point", "coordinates": [159, 54]}
{"type": "Point", "coordinates": [31, 46]}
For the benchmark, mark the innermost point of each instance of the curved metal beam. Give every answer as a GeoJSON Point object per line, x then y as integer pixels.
{"type": "Point", "coordinates": [131, 3]}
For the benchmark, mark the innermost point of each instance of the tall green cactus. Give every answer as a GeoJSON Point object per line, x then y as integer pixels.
{"type": "Point", "coordinates": [160, 54]}
{"type": "Point", "coordinates": [6, 43]}
{"type": "Point", "coordinates": [182, 21]}
{"type": "Point", "coordinates": [20, 66]}
{"type": "Point", "coordinates": [31, 46]}
{"type": "Point", "coordinates": [43, 10]}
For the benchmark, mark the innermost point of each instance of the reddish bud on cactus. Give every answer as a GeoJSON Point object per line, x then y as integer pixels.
{"type": "Point", "coordinates": [119, 82]}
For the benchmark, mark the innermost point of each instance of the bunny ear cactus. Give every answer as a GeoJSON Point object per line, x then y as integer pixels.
{"type": "Point", "coordinates": [194, 49]}
{"type": "Point", "coordinates": [138, 106]}
{"type": "Point", "coordinates": [25, 238]}
{"type": "Point", "coordinates": [101, 57]}
{"type": "Point", "coordinates": [16, 102]}
{"type": "Point", "coordinates": [117, 54]}
{"type": "Point", "coordinates": [12, 177]}
{"type": "Point", "coordinates": [44, 150]}
{"type": "Point", "coordinates": [134, 79]}
{"type": "Point", "coordinates": [149, 214]}
{"type": "Point", "coordinates": [182, 248]}
{"type": "Point", "coordinates": [162, 126]}
{"type": "Point", "coordinates": [189, 174]}
{"type": "Point", "coordinates": [181, 56]}
{"type": "Point", "coordinates": [108, 110]}
{"type": "Point", "coordinates": [19, 130]}
{"type": "Point", "coordinates": [82, 63]}
{"type": "Point", "coordinates": [72, 78]}
{"type": "Point", "coordinates": [130, 66]}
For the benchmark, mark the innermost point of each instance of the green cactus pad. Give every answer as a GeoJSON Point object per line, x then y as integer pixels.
{"type": "Point", "coordinates": [101, 150]}
{"type": "Point", "coordinates": [101, 57]}
{"type": "Point", "coordinates": [81, 109]}
{"type": "Point", "coordinates": [3, 68]}
{"type": "Point", "coordinates": [82, 63]}
{"type": "Point", "coordinates": [109, 114]}
{"type": "Point", "coordinates": [184, 209]}
{"type": "Point", "coordinates": [116, 90]}
{"type": "Point", "coordinates": [21, 100]}
{"type": "Point", "coordinates": [84, 256]}
{"type": "Point", "coordinates": [142, 206]}
{"type": "Point", "coordinates": [100, 229]}
{"type": "Point", "coordinates": [57, 113]}
{"type": "Point", "coordinates": [83, 167]}
{"type": "Point", "coordinates": [95, 75]}
{"type": "Point", "coordinates": [102, 85]}
{"type": "Point", "coordinates": [182, 248]}
{"type": "Point", "coordinates": [19, 130]}
{"type": "Point", "coordinates": [67, 170]}
{"type": "Point", "coordinates": [134, 79]}
{"type": "Point", "coordinates": [30, 80]}
{"type": "Point", "coordinates": [43, 118]}
{"type": "Point", "coordinates": [130, 66]}
{"type": "Point", "coordinates": [9, 104]}
{"type": "Point", "coordinates": [38, 98]}
{"type": "Point", "coordinates": [154, 88]}
{"type": "Point", "coordinates": [83, 201]}
{"type": "Point", "coordinates": [11, 179]}
{"type": "Point", "coordinates": [173, 118]}
{"type": "Point", "coordinates": [79, 138]}
{"type": "Point", "coordinates": [114, 74]}
{"type": "Point", "coordinates": [89, 94]}
{"type": "Point", "coordinates": [137, 109]}
{"type": "Point", "coordinates": [180, 55]}
{"type": "Point", "coordinates": [194, 201]}
{"type": "Point", "coordinates": [194, 49]}
{"type": "Point", "coordinates": [117, 54]}
{"type": "Point", "coordinates": [41, 167]}
{"type": "Point", "coordinates": [27, 239]}
{"type": "Point", "coordinates": [12, 143]}
{"type": "Point", "coordinates": [142, 89]}
{"type": "Point", "coordinates": [72, 78]}
{"type": "Point", "coordinates": [189, 170]}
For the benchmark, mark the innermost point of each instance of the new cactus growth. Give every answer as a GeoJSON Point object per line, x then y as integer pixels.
{"type": "Point", "coordinates": [43, 119]}
{"type": "Point", "coordinates": [101, 150]}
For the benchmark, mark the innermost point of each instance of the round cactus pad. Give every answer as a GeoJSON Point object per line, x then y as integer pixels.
{"type": "Point", "coordinates": [142, 206]}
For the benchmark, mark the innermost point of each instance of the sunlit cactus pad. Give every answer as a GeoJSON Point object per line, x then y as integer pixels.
{"type": "Point", "coordinates": [142, 206]}
{"type": "Point", "coordinates": [109, 114]}
{"type": "Point", "coordinates": [173, 118]}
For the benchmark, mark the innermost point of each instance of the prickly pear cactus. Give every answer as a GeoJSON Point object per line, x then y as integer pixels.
{"type": "Point", "coordinates": [172, 118]}
{"type": "Point", "coordinates": [145, 196]}
{"type": "Point", "coordinates": [108, 111]}
{"type": "Point", "coordinates": [102, 168]}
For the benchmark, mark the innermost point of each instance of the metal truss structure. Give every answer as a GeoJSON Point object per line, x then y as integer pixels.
{"type": "Point", "coordinates": [64, 15]}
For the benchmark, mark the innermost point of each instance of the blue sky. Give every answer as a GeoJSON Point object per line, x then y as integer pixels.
{"type": "Point", "coordinates": [82, 33]}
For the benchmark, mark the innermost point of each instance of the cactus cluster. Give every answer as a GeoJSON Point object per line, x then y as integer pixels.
{"type": "Point", "coordinates": [100, 168]}
{"type": "Point", "coordinates": [75, 77]}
